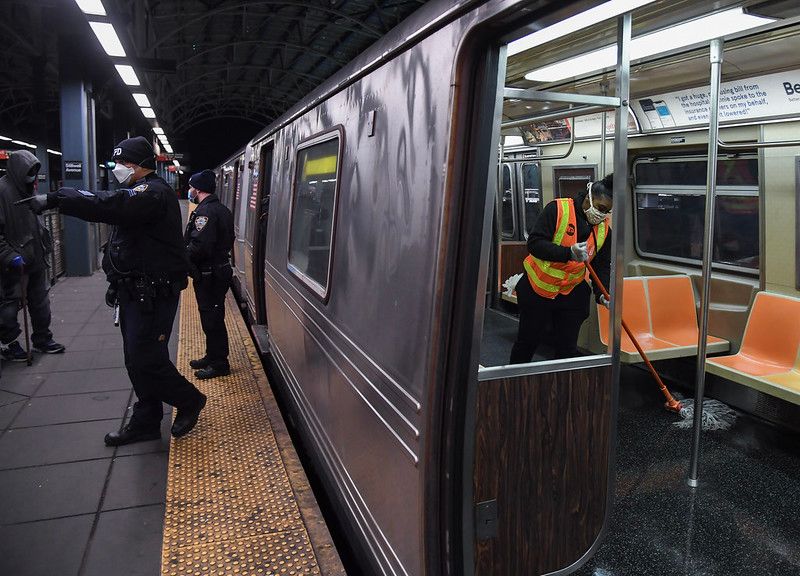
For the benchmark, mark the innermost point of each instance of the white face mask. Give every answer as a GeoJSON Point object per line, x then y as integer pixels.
{"type": "Point", "coordinates": [122, 173]}
{"type": "Point", "coordinates": [593, 215]}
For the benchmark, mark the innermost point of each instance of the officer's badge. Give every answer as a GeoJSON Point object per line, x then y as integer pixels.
{"type": "Point", "coordinates": [200, 222]}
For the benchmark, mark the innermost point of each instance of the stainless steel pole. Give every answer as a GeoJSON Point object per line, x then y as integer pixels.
{"type": "Point", "coordinates": [620, 185]}
{"type": "Point", "coordinates": [708, 253]}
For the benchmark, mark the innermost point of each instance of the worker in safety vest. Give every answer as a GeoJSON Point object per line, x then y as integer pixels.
{"type": "Point", "coordinates": [553, 289]}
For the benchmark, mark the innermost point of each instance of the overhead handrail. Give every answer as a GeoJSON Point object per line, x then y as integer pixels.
{"type": "Point", "coordinates": [568, 97]}
{"type": "Point", "coordinates": [557, 115]}
{"type": "Point", "coordinates": [749, 145]}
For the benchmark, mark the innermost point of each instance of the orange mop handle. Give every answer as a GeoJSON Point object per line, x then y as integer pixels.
{"type": "Point", "coordinates": [671, 403]}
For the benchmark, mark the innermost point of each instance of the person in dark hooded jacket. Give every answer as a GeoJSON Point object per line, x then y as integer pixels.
{"type": "Point", "coordinates": [25, 245]}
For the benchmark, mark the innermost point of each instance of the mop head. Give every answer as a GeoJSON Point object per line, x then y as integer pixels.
{"type": "Point", "coordinates": [716, 415]}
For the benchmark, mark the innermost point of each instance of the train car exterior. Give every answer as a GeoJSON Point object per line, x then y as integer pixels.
{"type": "Point", "coordinates": [366, 249]}
{"type": "Point", "coordinates": [360, 193]}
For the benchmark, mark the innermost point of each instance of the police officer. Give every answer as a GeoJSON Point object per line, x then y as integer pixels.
{"type": "Point", "coordinates": [146, 265]}
{"type": "Point", "coordinates": [209, 240]}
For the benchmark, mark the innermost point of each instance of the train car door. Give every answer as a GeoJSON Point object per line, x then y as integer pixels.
{"type": "Point", "coordinates": [569, 180]}
{"type": "Point", "coordinates": [260, 232]}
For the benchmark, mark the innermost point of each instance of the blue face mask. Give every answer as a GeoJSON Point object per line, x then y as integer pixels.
{"type": "Point", "coordinates": [193, 196]}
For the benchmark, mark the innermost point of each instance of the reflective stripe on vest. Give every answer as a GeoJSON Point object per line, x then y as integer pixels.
{"type": "Point", "coordinates": [549, 279]}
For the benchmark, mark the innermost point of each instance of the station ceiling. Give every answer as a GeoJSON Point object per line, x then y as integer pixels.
{"type": "Point", "coordinates": [215, 71]}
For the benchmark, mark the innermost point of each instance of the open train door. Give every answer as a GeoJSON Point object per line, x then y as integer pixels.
{"type": "Point", "coordinates": [259, 245]}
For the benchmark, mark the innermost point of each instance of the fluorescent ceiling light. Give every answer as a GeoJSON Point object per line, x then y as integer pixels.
{"type": "Point", "coordinates": [56, 152]}
{"type": "Point", "coordinates": [21, 143]}
{"type": "Point", "coordinates": [168, 148]}
{"type": "Point", "coordinates": [574, 23]}
{"type": "Point", "coordinates": [127, 74]}
{"type": "Point", "coordinates": [94, 7]}
{"type": "Point", "coordinates": [108, 38]}
{"type": "Point", "coordinates": [142, 100]}
{"type": "Point", "coordinates": [176, 162]}
{"type": "Point", "coordinates": [689, 33]}
{"type": "Point", "coordinates": [158, 131]}
{"type": "Point", "coordinates": [180, 171]}
{"type": "Point", "coordinates": [148, 113]}
{"type": "Point", "coordinates": [5, 138]}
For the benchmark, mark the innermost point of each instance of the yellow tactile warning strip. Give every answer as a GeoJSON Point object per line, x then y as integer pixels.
{"type": "Point", "coordinates": [238, 501]}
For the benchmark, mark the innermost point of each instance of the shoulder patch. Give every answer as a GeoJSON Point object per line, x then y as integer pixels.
{"type": "Point", "coordinates": [200, 222]}
{"type": "Point", "coordinates": [140, 188]}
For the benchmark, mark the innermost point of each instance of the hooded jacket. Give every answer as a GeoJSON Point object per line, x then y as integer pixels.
{"type": "Point", "coordinates": [21, 231]}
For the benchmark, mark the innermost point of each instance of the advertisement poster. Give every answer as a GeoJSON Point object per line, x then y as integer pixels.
{"type": "Point", "coordinates": [589, 126]}
{"type": "Point", "coordinates": [741, 100]}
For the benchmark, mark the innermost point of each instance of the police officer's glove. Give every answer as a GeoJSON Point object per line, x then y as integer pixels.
{"type": "Point", "coordinates": [41, 202]}
{"type": "Point", "coordinates": [579, 252]}
{"type": "Point", "coordinates": [194, 273]}
{"type": "Point", "coordinates": [603, 301]}
{"type": "Point", "coordinates": [17, 262]}
{"type": "Point", "coordinates": [111, 296]}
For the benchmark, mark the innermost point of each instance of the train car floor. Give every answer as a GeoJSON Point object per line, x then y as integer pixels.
{"type": "Point", "coordinates": [741, 521]}
{"type": "Point", "coordinates": [229, 498]}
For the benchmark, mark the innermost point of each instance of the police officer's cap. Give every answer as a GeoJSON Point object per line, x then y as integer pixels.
{"type": "Point", "coordinates": [137, 150]}
{"type": "Point", "coordinates": [205, 181]}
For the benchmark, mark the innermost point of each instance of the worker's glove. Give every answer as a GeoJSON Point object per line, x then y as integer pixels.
{"type": "Point", "coordinates": [41, 202]}
{"type": "Point", "coordinates": [17, 262]}
{"type": "Point", "coordinates": [579, 252]}
{"type": "Point", "coordinates": [603, 301]}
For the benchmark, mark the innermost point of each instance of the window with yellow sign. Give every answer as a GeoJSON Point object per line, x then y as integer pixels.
{"type": "Point", "coordinates": [313, 210]}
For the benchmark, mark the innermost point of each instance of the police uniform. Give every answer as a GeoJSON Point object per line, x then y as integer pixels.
{"type": "Point", "coordinates": [146, 264]}
{"type": "Point", "coordinates": [209, 239]}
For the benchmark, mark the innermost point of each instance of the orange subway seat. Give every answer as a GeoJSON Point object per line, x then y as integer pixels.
{"type": "Point", "coordinates": [771, 337]}
{"type": "Point", "coordinates": [673, 311]}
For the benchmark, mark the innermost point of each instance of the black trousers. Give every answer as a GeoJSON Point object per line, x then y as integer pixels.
{"type": "Point", "coordinates": [38, 307]}
{"type": "Point", "coordinates": [146, 329]}
{"type": "Point", "coordinates": [210, 293]}
{"type": "Point", "coordinates": [565, 313]}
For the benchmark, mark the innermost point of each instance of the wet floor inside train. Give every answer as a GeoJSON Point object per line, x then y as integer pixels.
{"type": "Point", "coordinates": [742, 520]}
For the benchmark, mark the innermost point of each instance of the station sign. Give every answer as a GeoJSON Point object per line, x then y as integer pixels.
{"type": "Point", "coordinates": [73, 169]}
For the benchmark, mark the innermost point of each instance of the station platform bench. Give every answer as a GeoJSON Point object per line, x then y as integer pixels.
{"type": "Point", "coordinates": [662, 314]}
{"type": "Point", "coordinates": [768, 358]}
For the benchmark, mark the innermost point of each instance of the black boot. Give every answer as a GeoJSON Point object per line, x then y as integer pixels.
{"type": "Point", "coordinates": [186, 418]}
{"type": "Point", "coordinates": [129, 435]}
{"type": "Point", "coordinates": [200, 362]}
{"type": "Point", "coordinates": [213, 371]}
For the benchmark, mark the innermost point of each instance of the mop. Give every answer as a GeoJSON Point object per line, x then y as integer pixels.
{"type": "Point", "coordinates": [24, 286]}
{"type": "Point", "coordinates": [715, 415]}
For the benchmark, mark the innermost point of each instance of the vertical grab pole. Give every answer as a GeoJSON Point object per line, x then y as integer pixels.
{"type": "Point", "coordinates": [715, 54]}
{"type": "Point", "coordinates": [604, 87]}
{"type": "Point", "coordinates": [620, 185]}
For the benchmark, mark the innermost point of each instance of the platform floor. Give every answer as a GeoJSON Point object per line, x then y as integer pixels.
{"type": "Point", "coordinates": [229, 498]}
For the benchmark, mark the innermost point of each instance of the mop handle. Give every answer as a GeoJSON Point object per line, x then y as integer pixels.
{"type": "Point", "coordinates": [671, 403]}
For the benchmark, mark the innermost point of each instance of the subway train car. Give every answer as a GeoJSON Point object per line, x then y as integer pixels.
{"type": "Point", "coordinates": [381, 223]}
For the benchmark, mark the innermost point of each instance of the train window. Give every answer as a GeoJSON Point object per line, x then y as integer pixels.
{"type": "Point", "coordinates": [670, 211]}
{"type": "Point", "coordinates": [313, 211]}
{"type": "Point", "coordinates": [531, 195]}
{"type": "Point", "coordinates": [508, 208]}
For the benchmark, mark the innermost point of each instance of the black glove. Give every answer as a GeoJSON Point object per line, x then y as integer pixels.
{"type": "Point", "coordinates": [111, 296]}
{"type": "Point", "coordinates": [41, 202]}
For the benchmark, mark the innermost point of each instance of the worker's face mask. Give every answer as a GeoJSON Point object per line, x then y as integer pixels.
{"type": "Point", "coordinates": [122, 173]}
{"type": "Point", "coordinates": [193, 195]}
{"type": "Point", "coordinates": [593, 215]}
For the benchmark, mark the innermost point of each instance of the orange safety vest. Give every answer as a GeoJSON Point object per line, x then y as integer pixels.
{"type": "Point", "coordinates": [549, 279]}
